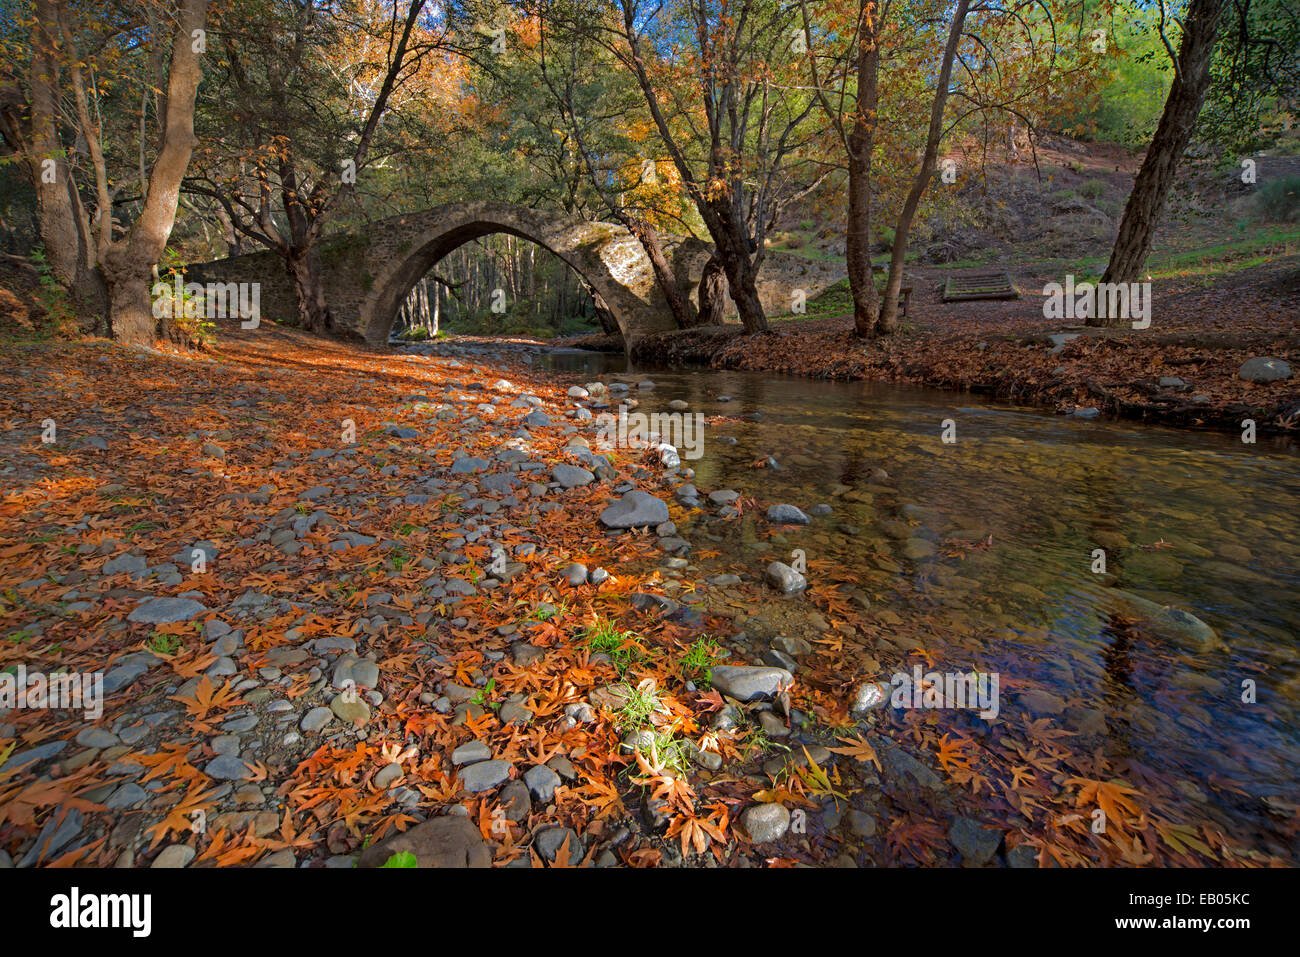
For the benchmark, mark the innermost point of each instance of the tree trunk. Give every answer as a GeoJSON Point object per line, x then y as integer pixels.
{"type": "Point", "coordinates": [861, 141]}
{"type": "Point", "coordinates": [130, 305]}
{"type": "Point", "coordinates": [712, 294]}
{"type": "Point", "coordinates": [732, 250]}
{"type": "Point", "coordinates": [309, 290]}
{"type": "Point", "coordinates": [64, 227]}
{"type": "Point", "coordinates": [1177, 123]}
{"type": "Point", "coordinates": [723, 216]}
{"type": "Point", "coordinates": [888, 323]}
{"type": "Point", "coordinates": [128, 263]}
{"type": "Point", "coordinates": [648, 237]}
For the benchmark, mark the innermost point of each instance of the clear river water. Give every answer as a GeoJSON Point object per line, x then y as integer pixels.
{"type": "Point", "coordinates": [1196, 521]}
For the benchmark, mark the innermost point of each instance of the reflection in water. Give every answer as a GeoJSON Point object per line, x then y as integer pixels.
{"type": "Point", "coordinates": [1197, 521]}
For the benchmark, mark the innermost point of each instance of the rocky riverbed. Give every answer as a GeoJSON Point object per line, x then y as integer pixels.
{"type": "Point", "coordinates": [383, 610]}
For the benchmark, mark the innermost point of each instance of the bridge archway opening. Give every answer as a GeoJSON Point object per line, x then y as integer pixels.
{"type": "Point", "coordinates": [608, 259]}
{"type": "Point", "coordinates": [500, 283]}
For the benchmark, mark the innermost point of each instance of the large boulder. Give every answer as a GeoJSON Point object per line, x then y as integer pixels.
{"type": "Point", "coordinates": [442, 842]}
{"type": "Point", "coordinates": [746, 682]}
{"type": "Point", "coordinates": [1167, 620]}
{"type": "Point", "coordinates": [572, 476]}
{"type": "Point", "coordinates": [784, 578]}
{"type": "Point", "coordinates": [635, 509]}
{"type": "Point", "coordinates": [1264, 369]}
{"type": "Point", "coordinates": [784, 514]}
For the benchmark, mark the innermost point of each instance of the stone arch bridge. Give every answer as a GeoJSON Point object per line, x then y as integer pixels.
{"type": "Point", "coordinates": [369, 272]}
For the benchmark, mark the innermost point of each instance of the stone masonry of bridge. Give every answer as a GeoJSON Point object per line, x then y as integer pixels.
{"type": "Point", "coordinates": [368, 273]}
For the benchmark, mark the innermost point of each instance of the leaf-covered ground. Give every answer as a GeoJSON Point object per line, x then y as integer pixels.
{"type": "Point", "coordinates": [329, 593]}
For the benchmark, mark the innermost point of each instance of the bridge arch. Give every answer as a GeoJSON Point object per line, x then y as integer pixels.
{"type": "Point", "coordinates": [607, 257]}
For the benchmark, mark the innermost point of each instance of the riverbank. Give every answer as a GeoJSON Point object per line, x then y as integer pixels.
{"type": "Point", "coordinates": [1185, 371]}
{"type": "Point", "coordinates": [341, 609]}
{"type": "Point", "coordinates": [338, 596]}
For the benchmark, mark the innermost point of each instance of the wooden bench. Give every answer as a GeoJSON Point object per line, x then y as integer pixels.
{"type": "Point", "coordinates": [904, 295]}
{"type": "Point", "coordinates": [973, 287]}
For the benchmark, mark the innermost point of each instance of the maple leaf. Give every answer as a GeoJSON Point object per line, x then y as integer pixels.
{"type": "Point", "coordinates": [1113, 797]}
{"type": "Point", "coordinates": [644, 857]}
{"type": "Point", "coordinates": [4, 756]}
{"type": "Point", "coordinates": [230, 850]}
{"type": "Point", "coordinates": [183, 815]}
{"type": "Point", "coordinates": [206, 699]}
{"type": "Point", "coordinates": [1181, 837]}
{"type": "Point", "coordinates": [711, 700]}
{"type": "Point", "coordinates": [562, 855]}
{"type": "Point", "coordinates": [817, 779]}
{"type": "Point", "coordinates": [781, 795]}
{"type": "Point", "coordinates": [693, 832]}
{"type": "Point", "coordinates": [1021, 775]}
{"type": "Point", "coordinates": [74, 858]}
{"type": "Point", "coordinates": [1133, 854]}
{"type": "Point", "coordinates": [170, 761]}
{"type": "Point", "coordinates": [601, 796]}
{"type": "Point", "coordinates": [191, 665]}
{"type": "Point", "coordinates": [952, 754]}
{"type": "Point", "coordinates": [859, 749]}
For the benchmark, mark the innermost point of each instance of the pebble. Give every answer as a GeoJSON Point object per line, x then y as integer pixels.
{"type": "Point", "coordinates": [316, 719]}
{"type": "Point", "coordinates": [228, 767]}
{"type": "Point", "coordinates": [870, 695]}
{"type": "Point", "coordinates": [786, 515]}
{"type": "Point", "coordinates": [542, 782]}
{"type": "Point", "coordinates": [350, 709]}
{"type": "Point", "coordinates": [282, 859]}
{"type": "Point", "coordinates": [765, 823]}
{"type": "Point", "coordinates": [746, 683]}
{"type": "Point", "coordinates": [572, 476]}
{"type": "Point", "coordinates": [862, 824]}
{"type": "Point", "coordinates": [471, 753]}
{"type": "Point", "coordinates": [126, 797]}
{"type": "Point", "coordinates": [549, 840]}
{"type": "Point", "coordinates": [784, 579]}
{"type": "Point", "coordinates": [484, 776]}
{"type": "Point", "coordinates": [38, 753]}
{"type": "Point", "coordinates": [97, 738]}
{"type": "Point", "coordinates": [515, 801]}
{"type": "Point", "coordinates": [635, 509]}
{"type": "Point", "coordinates": [174, 855]}
{"type": "Point", "coordinates": [976, 843]}
{"type": "Point", "coordinates": [1264, 369]}
{"type": "Point", "coordinates": [160, 611]}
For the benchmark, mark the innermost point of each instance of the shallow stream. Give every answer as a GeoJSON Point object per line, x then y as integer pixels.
{"type": "Point", "coordinates": [990, 543]}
